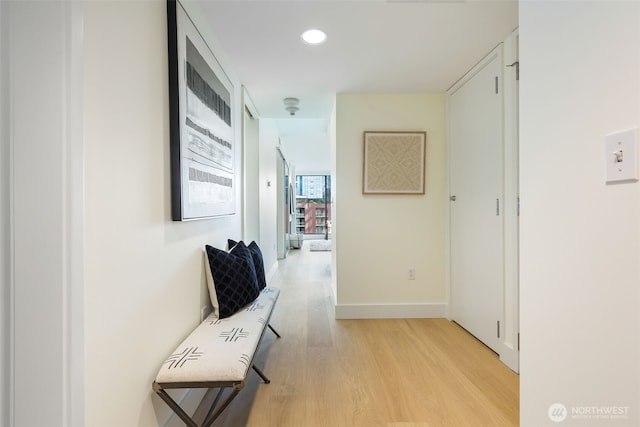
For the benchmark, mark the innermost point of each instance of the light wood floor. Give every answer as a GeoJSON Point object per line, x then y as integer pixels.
{"type": "Point", "coordinates": [387, 373]}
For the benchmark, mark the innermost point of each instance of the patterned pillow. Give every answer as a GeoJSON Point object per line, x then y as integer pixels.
{"type": "Point", "coordinates": [256, 253]}
{"type": "Point", "coordinates": [258, 262]}
{"type": "Point", "coordinates": [231, 244]}
{"type": "Point", "coordinates": [231, 279]}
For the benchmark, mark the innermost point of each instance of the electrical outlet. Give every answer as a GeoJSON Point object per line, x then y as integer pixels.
{"type": "Point", "coordinates": [411, 274]}
{"type": "Point", "coordinates": [204, 312]}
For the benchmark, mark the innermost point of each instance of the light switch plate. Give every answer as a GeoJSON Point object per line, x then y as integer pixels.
{"type": "Point", "coordinates": [621, 156]}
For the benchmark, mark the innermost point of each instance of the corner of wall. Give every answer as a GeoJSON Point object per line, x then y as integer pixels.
{"type": "Point", "coordinates": [5, 319]}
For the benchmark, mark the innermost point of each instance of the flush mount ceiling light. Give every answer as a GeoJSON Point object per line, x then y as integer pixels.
{"type": "Point", "coordinates": [314, 36]}
{"type": "Point", "coordinates": [291, 105]}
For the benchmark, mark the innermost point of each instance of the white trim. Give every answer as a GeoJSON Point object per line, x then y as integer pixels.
{"type": "Point", "coordinates": [390, 311]}
{"type": "Point", "coordinates": [57, 318]}
{"type": "Point", "coordinates": [511, 327]}
{"type": "Point", "coordinates": [5, 239]}
{"type": "Point", "coordinates": [8, 128]}
{"type": "Point", "coordinates": [250, 173]}
{"type": "Point", "coordinates": [74, 216]}
{"type": "Point", "coordinates": [510, 356]}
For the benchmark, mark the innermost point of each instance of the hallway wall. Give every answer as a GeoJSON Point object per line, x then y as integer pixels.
{"type": "Point", "coordinates": [4, 219]}
{"type": "Point", "coordinates": [580, 238]}
{"type": "Point", "coordinates": [144, 280]}
{"type": "Point", "coordinates": [379, 237]}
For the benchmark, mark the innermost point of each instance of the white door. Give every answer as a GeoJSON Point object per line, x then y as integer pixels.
{"type": "Point", "coordinates": [250, 151]}
{"type": "Point", "coordinates": [476, 185]}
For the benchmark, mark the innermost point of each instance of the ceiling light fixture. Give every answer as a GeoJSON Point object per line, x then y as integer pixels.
{"type": "Point", "coordinates": [291, 105]}
{"type": "Point", "coordinates": [314, 36]}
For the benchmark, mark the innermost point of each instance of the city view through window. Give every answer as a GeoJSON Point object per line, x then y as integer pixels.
{"type": "Point", "coordinates": [313, 204]}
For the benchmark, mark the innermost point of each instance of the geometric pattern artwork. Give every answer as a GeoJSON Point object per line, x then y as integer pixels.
{"type": "Point", "coordinates": [201, 129]}
{"type": "Point", "coordinates": [394, 162]}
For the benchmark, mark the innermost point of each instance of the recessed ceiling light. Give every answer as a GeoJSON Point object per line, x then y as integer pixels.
{"type": "Point", "coordinates": [314, 36]}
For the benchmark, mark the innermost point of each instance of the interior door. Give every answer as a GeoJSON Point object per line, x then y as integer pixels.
{"type": "Point", "coordinates": [476, 186]}
{"type": "Point", "coordinates": [252, 177]}
{"type": "Point", "coordinates": [283, 216]}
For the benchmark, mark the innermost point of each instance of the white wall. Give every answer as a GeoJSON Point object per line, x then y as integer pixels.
{"type": "Point", "coordinates": [333, 154]}
{"type": "Point", "coordinates": [4, 219]}
{"type": "Point", "coordinates": [379, 237]}
{"type": "Point", "coordinates": [580, 238]}
{"type": "Point", "coordinates": [268, 194]}
{"type": "Point", "coordinates": [145, 281]}
{"type": "Point", "coordinates": [43, 51]}
{"type": "Point", "coordinates": [103, 283]}
{"type": "Point", "coordinates": [307, 144]}
{"type": "Point", "coordinates": [251, 169]}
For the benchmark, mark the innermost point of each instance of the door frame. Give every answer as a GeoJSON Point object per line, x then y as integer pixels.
{"type": "Point", "coordinates": [510, 353]}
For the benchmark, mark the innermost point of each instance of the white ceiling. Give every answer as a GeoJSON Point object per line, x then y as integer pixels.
{"type": "Point", "coordinates": [382, 46]}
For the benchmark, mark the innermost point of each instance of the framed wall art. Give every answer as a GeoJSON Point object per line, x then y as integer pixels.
{"type": "Point", "coordinates": [202, 150]}
{"type": "Point", "coordinates": [394, 162]}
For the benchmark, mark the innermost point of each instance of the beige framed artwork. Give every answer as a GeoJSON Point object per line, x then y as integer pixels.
{"type": "Point", "coordinates": [394, 162]}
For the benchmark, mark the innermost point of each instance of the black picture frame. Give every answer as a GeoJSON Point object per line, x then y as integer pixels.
{"type": "Point", "coordinates": [201, 129]}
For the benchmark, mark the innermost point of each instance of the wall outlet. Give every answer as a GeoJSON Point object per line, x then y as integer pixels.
{"type": "Point", "coordinates": [411, 274]}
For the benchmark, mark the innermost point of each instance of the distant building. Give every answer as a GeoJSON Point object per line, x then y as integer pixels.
{"type": "Point", "coordinates": [313, 204]}
{"type": "Point", "coordinates": [312, 186]}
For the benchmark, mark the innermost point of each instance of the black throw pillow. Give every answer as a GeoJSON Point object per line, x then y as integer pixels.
{"type": "Point", "coordinates": [258, 262]}
{"type": "Point", "coordinates": [234, 278]}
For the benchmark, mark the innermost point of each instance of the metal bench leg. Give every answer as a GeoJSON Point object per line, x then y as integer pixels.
{"type": "Point", "coordinates": [175, 407]}
{"type": "Point", "coordinates": [215, 403]}
{"type": "Point", "coordinates": [222, 407]}
{"type": "Point", "coordinates": [263, 376]}
{"type": "Point", "coordinates": [273, 330]}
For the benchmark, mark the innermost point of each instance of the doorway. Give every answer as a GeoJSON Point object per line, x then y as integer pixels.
{"type": "Point", "coordinates": [313, 206]}
{"type": "Point", "coordinates": [284, 207]}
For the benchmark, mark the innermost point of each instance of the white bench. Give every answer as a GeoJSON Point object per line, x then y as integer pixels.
{"type": "Point", "coordinates": [218, 354]}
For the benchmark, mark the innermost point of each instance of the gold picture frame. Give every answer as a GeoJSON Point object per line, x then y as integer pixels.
{"type": "Point", "coordinates": [394, 162]}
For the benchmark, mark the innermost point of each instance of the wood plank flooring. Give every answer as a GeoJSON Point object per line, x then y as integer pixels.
{"type": "Point", "coordinates": [370, 373]}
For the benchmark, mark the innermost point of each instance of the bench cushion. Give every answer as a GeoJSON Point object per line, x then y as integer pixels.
{"type": "Point", "coordinates": [220, 350]}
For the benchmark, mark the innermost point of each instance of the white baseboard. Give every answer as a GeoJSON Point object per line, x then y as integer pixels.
{"type": "Point", "coordinates": [390, 311]}
{"type": "Point", "coordinates": [510, 357]}
{"type": "Point", "coordinates": [272, 272]}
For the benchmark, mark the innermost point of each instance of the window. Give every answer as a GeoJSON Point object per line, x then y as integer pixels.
{"type": "Point", "coordinates": [313, 204]}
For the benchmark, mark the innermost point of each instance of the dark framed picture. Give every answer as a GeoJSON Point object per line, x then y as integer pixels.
{"type": "Point", "coordinates": [394, 162]}
{"type": "Point", "coordinates": [202, 149]}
